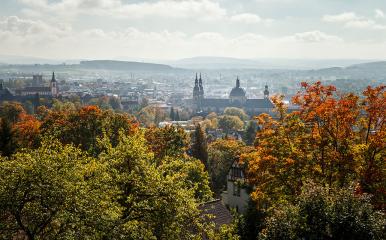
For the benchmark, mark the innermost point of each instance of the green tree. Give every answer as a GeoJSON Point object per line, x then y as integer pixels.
{"type": "Point", "coordinates": [172, 115]}
{"type": "Point", "coordinates": [115, 103]}
{"type": "Point", "coordinates": [157, 201]}
{"type": "Point", "coordinates": [238, 112]}
{"type": "Point", "coordinates": [10, 113]}
{"type": "Point", "coordinates": [323, 213]}
{"type": "Point", "coordinates": [84, 126]}
{"type": "Point", "coordinates": [221, 154]}
{"type": "Point", "coordinates": [54, 192]}
{"type": "Point", "coordinates": [167, 141]}
{"type": "Point", "coordinates": [199, 146]}
{"type": "Point", "coordinates": [250, 133]}
{"type": "Point", "coordinates": [7, 145]}
{"type": "Point", "coordinates": [230, 123]}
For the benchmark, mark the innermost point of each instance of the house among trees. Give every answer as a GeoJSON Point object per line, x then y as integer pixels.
{"type": "Point", "coordinates": [236, 195]}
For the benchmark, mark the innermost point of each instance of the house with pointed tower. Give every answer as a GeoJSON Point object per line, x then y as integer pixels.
{"type": "Point", "coordinates": [237, 98]}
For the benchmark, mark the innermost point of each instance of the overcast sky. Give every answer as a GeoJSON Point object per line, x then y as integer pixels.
{"type": "Point", "coordinates": [171, 29]}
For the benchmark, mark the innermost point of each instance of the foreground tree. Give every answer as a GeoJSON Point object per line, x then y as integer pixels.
{"type": "Point", "coordinates": [323, 213]}
{"type": "Point", "coordinates": [222, 153]}
{"type": "Point", "coordinates": [199, 146]}
{"type": "Point", "coordinates": [159, 200]}
{"type": "Point", "coordinates": [334, 139]}
{"type": "Point", "coordinates": [250, 133]}
{"type": "Point", "coordinates": [84, 126]}
{"type": "Point", "coordinates": [167, 141]}
{"type": "Point", "coordinates": [10, 113]}
{"type": "Point", "coordinates": [54, 192]}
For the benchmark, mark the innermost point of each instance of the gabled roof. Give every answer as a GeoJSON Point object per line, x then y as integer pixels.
{"type": "Point", "coordinates": [5, 91]}
{"type": "Point", "coordinates": [250, 103]}
{"type": "Point", "coordinates": [220, 215]}
{"type": "Point", "coordinates": [215, 102]}
{"type": "Point", "coordinates": [259, 103]}
{"type": "Point", "coordinates": [36, 89]}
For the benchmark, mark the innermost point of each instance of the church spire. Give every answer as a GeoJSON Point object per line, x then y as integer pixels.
{"type": "Point", "coordinates": [201, 87]}
{"type": "Point", "coordinates": [237, 82]}
{"type": "Point", "coordinates": [53, 77]}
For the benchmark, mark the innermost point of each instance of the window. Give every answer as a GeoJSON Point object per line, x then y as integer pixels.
{"type": "Point", "coordinates": [235, 172]}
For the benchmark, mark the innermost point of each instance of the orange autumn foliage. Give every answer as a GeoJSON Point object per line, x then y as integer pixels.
{"type": "Point", "coordinates": [27, 131]}
{"type": "Point", "coordinates": [334, 139]}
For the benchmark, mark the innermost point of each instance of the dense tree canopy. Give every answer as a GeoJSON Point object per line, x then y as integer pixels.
{"type": "Point", "coordinates": [321, 213]}
{"type": "Point", "coordinates": [85, 172]}
{"type": "Point", "coordinates": [167, 141]}
{"type": "Point", "coordinates": [334, 139]}
{"type": "Point", "coordinates": [84, 126]}
{"type": "Point", "coordinates": [54, 192]}
{"type": "Point", "coordinates": [230, 123]}
{"type": "Point", "coordinates": [199, 147]}
{"type": "Point", "coordinates": [222, 153]}
{"type": "Point", "coordinates": [238, 112]}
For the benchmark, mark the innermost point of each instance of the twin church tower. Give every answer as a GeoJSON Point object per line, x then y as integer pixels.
{"type": "Point", "coordinates": [198, 90]}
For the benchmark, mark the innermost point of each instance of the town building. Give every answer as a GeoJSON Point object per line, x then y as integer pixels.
{"type": "Point", "coordinates": [43, 91]}
{"type": "Point", "coordinates": [5, 93]}
{"type": "Point", "coordinates": [237, 98]}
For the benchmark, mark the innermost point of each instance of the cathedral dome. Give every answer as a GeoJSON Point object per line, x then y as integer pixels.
{"type": "Point", "coordinates": [237, 91]}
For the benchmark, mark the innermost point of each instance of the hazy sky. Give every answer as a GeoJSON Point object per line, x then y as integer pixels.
{"type": "Point", "coordinates": [170, 29]}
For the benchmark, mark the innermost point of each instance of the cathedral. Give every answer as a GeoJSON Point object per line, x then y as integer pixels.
{"type": "Point", "coordinates": [43, 91]}
{"type": "Point", "coordinates": [237, 98]}
{"type": "Point", "coordinates": [30, 92]}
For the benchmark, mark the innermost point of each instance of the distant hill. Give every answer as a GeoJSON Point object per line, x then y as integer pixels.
{"type": "Point", "coordinates": [123, 65]}
{"type": "Point", "coordinates": [261, 63]}
{"type": "Point", "coordinates": [369, 70]}
{"type": "Point", "coordinates": [216, 63]}
{"type": "Point", "coordinates": [93, 65]}
{"type": "Point", "coordinates": [381, 65]}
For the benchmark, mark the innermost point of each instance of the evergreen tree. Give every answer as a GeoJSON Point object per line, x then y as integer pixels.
{"type": "Point", "coordinates": [6, 136]}
{"type": "Point", "coordinates": [200, 146]}
{"type": "Point", "coordinates": [250, 133]}
{"type": "Point", "coordinates": [172, 116]}
{"type": "Point", "coordinates": [177, 117]}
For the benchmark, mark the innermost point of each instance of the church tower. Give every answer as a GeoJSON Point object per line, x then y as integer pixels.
{"type": "Point", "coordinates": [54, 86]}
{"type": "Point", "coordinates": [266, 92]}
{"type": "Point", "coordinates": [198, 93]}
{"type": "Point", "coordinates": [196, 90]}
{"type": "Point", "coordinates": [201, 88]}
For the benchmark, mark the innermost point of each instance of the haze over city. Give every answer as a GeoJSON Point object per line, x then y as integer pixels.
{"type": "Point", "coordinates": [173, 29]}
